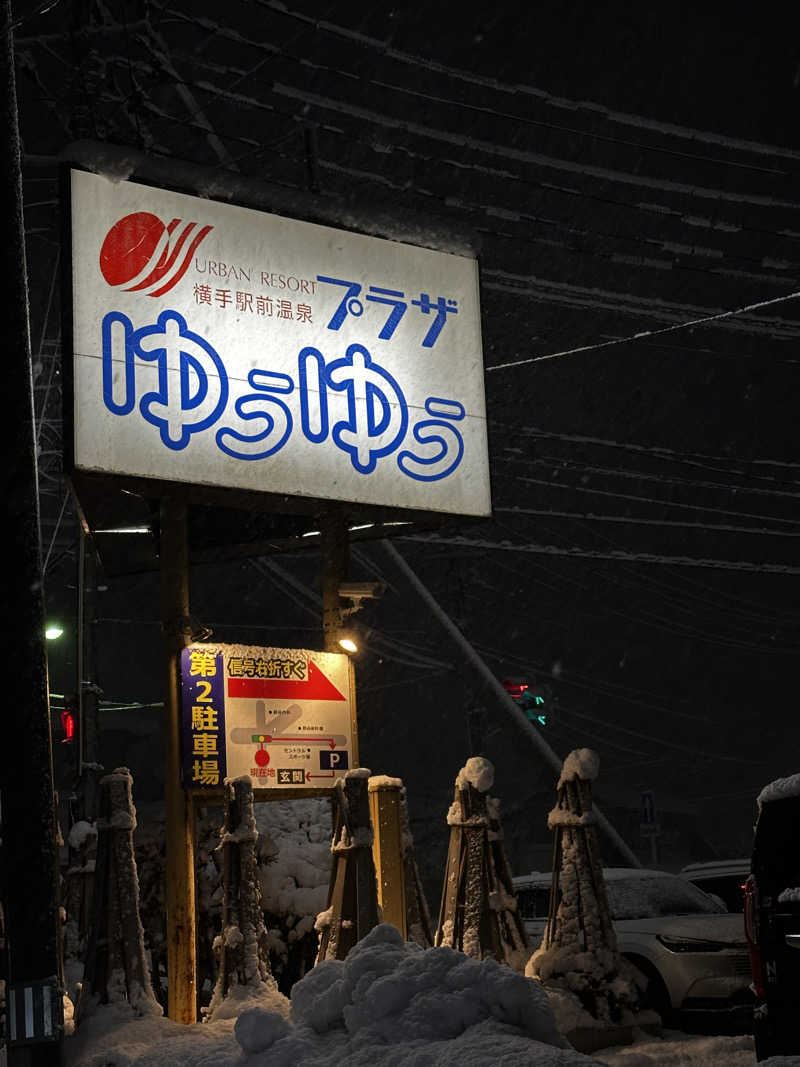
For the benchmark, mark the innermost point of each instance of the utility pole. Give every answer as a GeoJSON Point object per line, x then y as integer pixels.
{"type": "Point", "coordinates": [30, 855]}
{"type": "Point", "coordinates": [335, 549]}
{"type": "Point", "coordinates": [88, 692]}
{"type": "Point", "coordinates": [179, 823]}
{"type": "Point", "coordinates": [508, 704]}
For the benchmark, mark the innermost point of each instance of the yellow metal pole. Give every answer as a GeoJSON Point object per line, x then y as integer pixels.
{"type": "Point", "coordinates": [179, 830]}
{"type": "Point", "coordinates": [387, 849]}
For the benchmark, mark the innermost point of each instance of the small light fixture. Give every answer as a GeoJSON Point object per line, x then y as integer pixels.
{"type": "Point", "coordinates": [347, 642]}
{"type": "Point", "coordinates": [53, 631]}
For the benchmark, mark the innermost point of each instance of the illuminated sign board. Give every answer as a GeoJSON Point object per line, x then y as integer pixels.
{"type": "Point", "coordinates": [285, 717]}
{"type": "Point", "coordinates": [221, 346]}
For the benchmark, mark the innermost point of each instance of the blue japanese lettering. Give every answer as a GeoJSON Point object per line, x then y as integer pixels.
{"type": "Point", "coordinates": [349, 303]}
{"type": "Point", "coordinates": [376, 408]}
{"type": "Point", "coordinates": [272, 413]}
{"type": "Point", "coordinates": [447, 441]}
{"type": "Point", "coordinates": [443, 308]}
{"type": "Point", "coordinates": [201, 386]}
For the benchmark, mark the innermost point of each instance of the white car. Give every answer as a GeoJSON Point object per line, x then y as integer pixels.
{"type": "Point", "coordinates": [722, 878]}
{"type": "Point", "coordinates": [692, 953]}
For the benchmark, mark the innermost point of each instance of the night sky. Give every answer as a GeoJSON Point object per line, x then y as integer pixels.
{"type": "Point", "coordinates": [618, 170]}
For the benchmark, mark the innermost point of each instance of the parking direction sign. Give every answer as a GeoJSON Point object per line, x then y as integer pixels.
{"type": "Point", "coordinates": [283, 717]}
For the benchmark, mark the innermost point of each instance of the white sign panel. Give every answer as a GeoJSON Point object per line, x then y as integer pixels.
{"type": "Point", "coordinates": [282, 716]}
{"type": "Point", "coordinates": [221, 346]}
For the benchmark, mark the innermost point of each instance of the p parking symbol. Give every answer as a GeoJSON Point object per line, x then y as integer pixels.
{"type": "Point", "coordinates": [333, 761]}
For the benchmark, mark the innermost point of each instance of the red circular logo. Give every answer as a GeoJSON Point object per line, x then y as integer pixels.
{"type": "Point", "coordinates": [129, 246]}
{"type": "Point", "coordinates": [262, 757]}
{"type": "Point", "coordinates": [142, 254]}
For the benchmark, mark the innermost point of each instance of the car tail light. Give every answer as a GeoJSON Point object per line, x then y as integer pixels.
{"type": "Point", "coordinates": [751, 933]}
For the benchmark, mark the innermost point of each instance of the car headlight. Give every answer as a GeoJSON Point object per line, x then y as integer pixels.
{"type": "Point", "coordinates": [690, 944]}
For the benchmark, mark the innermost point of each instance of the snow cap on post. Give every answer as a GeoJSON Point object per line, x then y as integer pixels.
{"type": "Point", "coordinates": [359, 772]}
{"type": "Point", "coordinates": [477, 772]}
{"type": "Point", "coordinates": [583, 763]}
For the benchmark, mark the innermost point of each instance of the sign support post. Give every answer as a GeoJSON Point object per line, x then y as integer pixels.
{"type": "Point", "coordinates": [385, 806]}
{"type": "Point", "coordinates": [179, 828]}
{"type": "Point", "coordinates": [335, 549]}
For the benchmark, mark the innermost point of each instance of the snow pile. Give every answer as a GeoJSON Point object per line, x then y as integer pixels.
{"type": "Point", "coordinates": [780, 789]}
{"type": "Point", "coordinates": [388, 1003]}
{"type": "Point", "coordinates": [686, 1050]}
{"type": "Point", "coordinates": [391, 1002]}
{"type": "Point", "coordinates": [296, 841]}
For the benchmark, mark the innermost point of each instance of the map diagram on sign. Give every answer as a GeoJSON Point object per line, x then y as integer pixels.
{"type": "Point", "coordinates": [288, 715]}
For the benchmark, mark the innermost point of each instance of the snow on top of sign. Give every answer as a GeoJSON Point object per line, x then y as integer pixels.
{"type": "Point", "coordinates": [108, 160]}
{"type": "Point", "coordinates": [477, 772]}
{"type": "Point", "coordinates": [580, 763]}
{"type": "Point", "coordinates": [359, 772]}
{"type": "Point", "coordinates": [265, 651]}
{"type": "Point", "coordinates": [780, 789]}
{"type": "Point", "coordinates": [405, 232]}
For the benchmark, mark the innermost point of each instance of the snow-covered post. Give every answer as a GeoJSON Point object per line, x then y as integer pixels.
{"type": "Point", "coordinates": [82, 841]}
{"type": "Point", "coordinates": [418, 917]}
{"type": "Point", "coordinates": [116, 968]}
{"type": "Point", "coordinates": [579, 949]}
{"type": "Point", "coordinates": [241, 947]}
{"type": "Point", "coordinates": [352, 907]}
{"type": "Point", "coordinates": [478, 913]}
{"type": "Point", "coordinates": [580, 911]}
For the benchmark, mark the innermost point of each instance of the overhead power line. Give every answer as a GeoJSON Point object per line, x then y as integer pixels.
{"type": "Point", "coordinates": [648, 333]}
{"type": "Point", "coordinates": [620, 555]}
{"type": "Point", "coordinates": [385, 49]}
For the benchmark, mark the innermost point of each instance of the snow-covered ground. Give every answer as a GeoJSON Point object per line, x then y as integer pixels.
{"type": "Point", "coordinates": [389, 1003]}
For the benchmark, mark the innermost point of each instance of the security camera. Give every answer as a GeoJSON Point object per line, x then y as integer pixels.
{"type": "Point", "coordinates": [357, 591]}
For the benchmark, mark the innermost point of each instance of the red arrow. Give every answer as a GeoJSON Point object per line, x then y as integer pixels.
{"type": "Point", "coordinates": [316, 687]}
{"type": "Point", "coordinates": [309, 776]}
{"type": "Point", "coordinates": [280, 738]}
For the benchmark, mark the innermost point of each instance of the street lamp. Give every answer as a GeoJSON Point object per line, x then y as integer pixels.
{"type": "Point", "coordinates": [53, 631]}
{"type": "Point", "coordinates": [347, 641]}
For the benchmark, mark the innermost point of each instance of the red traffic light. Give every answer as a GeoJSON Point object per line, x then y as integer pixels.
{"type": "Point", "coordinates": [513, 688]}
{"type": "Point", "coordinates": [68, 723]}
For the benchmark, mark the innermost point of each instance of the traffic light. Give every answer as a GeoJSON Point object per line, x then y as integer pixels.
{"type": "Point", "coordinates": [68, 724]}
{"type": "Point", "coordinates": [536, 705]}
{"type": "Point", "coordinates": [535, 699]}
